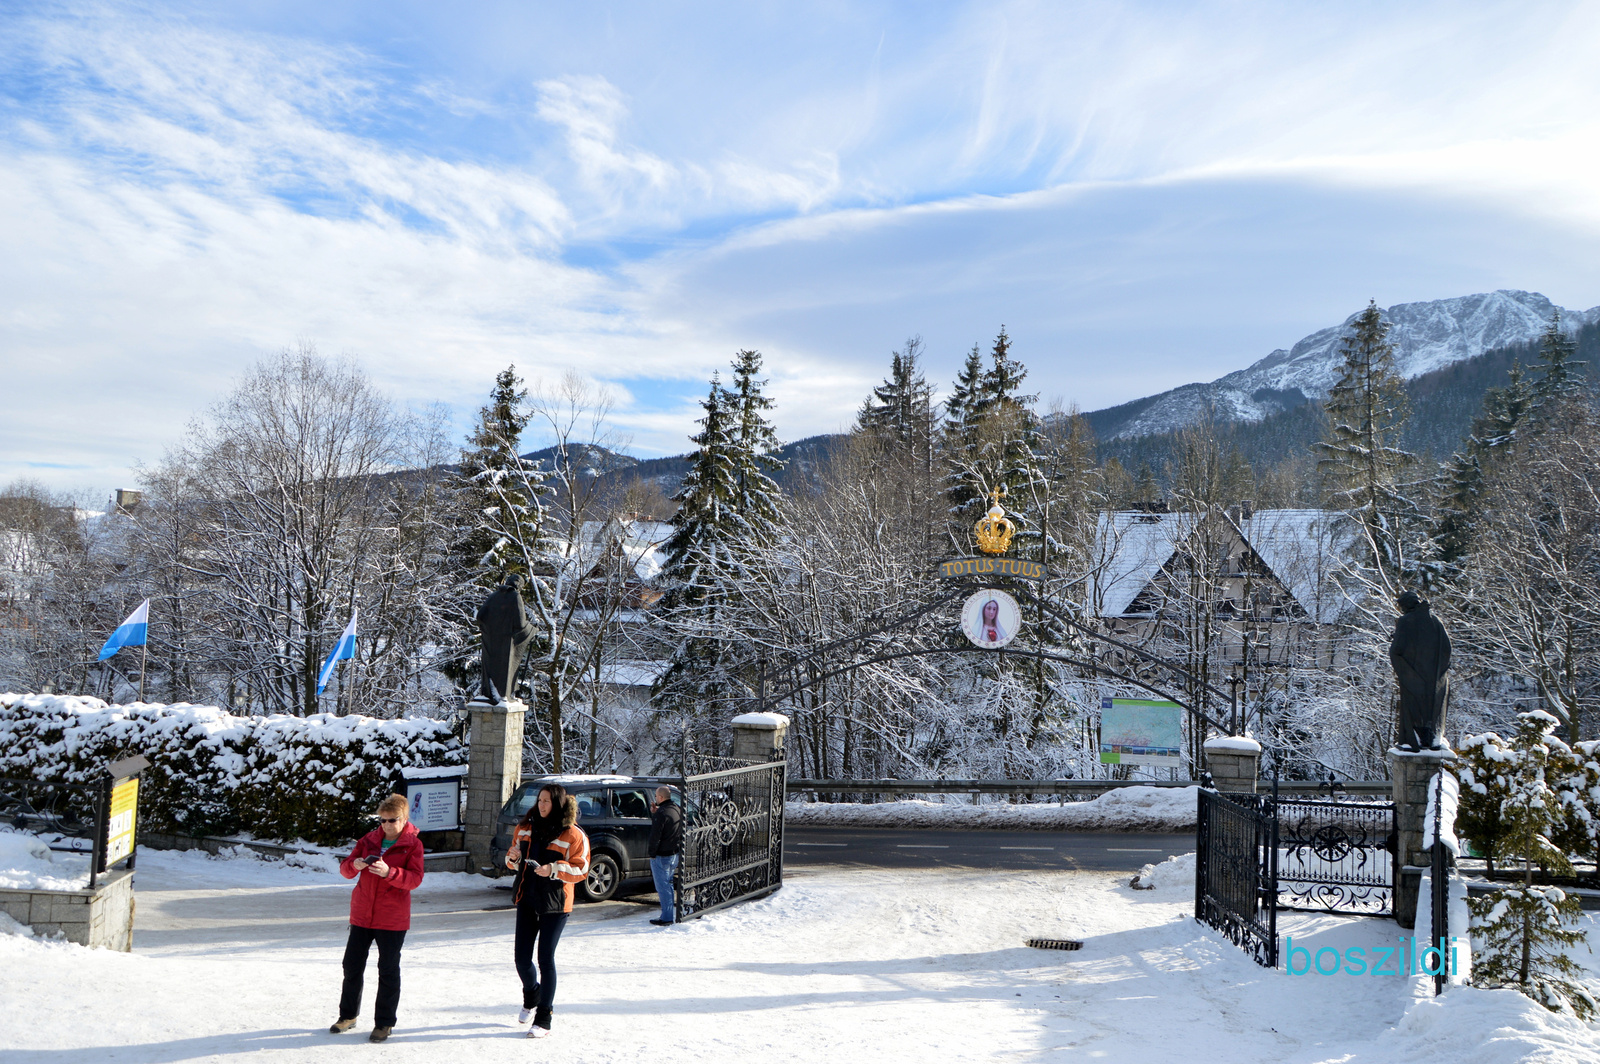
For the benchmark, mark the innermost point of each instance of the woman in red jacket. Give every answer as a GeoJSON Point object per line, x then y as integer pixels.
{"type": "Point", "coordinates": [387, 866]}
{"type": "Point", "coordinates": [557, 858]}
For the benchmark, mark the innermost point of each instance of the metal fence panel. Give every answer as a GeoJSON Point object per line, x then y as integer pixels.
{"type": "Point", "coordinates": [733, 834]}
{"type": "Point", "coordinates": [1336, 857]}
{"type": "Point", "coordinates": [1235, 886]}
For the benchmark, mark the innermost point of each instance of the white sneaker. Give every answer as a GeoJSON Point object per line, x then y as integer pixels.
{"type": "Point", "coordinates": [524, 1016]}
{"type": "Point", "coordinates": [538, 1032]}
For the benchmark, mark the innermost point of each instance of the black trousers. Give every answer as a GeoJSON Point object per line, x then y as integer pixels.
{"type": "Point", "coordinates": [356, 950]}
{"type": "Point", "coordinates": [538, 991]}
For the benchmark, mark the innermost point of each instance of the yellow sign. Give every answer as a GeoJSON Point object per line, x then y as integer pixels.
{"type": "Point", "coordinates": [991, 567]}
{"type": "Point", "coordinates": [123, 817]}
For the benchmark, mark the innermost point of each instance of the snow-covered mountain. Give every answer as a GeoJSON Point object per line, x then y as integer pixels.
{"type": "Point", "coordinates": [1426, 337]}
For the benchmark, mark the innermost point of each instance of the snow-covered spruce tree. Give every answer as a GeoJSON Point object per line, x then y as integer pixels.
{"type": "Point", "coordinates": [1522, 935]}
{"type": "Point", "coordinates": [501, 518]}
{"type": "Point", "coordinates": [724, 535]}
{"type": "Point", "coordinates": [1461, 480]}
{"type": "Point", "coordinates": [1360, 459]}
{"type": "Point", "coordinates": [1562, 376]}
{"type": "Point", "coordinates": [993, 445]}
{"type": "Point", "coordinates": [897, 427]}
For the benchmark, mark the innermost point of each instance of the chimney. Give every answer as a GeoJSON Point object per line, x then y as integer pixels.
{"type": "Point", "coordinates": [1247, 509]}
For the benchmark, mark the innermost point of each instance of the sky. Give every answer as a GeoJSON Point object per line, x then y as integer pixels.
{"type": "Point", "coordinates": [1143, 194]}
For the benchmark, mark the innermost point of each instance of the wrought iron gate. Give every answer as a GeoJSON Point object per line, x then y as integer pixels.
{"type": "Point", "coordinates": [1336, 857]}
{"type": "Point", "coordinates": [1235, 882]}
{"type": "Point", "coordinates": [732, 834]}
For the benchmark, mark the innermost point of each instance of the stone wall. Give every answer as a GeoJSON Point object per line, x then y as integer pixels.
{"type": "Point", "coordinates": [102, 918]}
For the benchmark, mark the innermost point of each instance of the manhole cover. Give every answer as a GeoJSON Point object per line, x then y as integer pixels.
{"type": "Point", "coordinates": [1055, 943]}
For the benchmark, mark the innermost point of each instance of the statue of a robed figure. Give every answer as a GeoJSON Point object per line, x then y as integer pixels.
{"type": "Point", "coordinates": [1420, 654]}
{"type": "Point", "coordinates": [505, 632]}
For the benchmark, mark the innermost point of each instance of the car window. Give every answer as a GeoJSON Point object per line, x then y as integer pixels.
{"type": "Point", "coordinates": [631, 804]}
{"type": "Point", "coordinates": [523, 800]}
{"type": "Point", "coordinates": [591, 806]}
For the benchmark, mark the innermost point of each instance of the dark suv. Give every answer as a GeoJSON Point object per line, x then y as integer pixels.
{"type": "Point", "coordinates": [614, 811]}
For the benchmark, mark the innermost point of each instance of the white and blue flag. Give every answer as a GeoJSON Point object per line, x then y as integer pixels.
{"type": "Point", "coordinates": [130, 633]}
{"type": "Point", "coordinates": [344, 649]}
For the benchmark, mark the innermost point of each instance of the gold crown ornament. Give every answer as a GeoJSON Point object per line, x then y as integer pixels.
{"type": "Point", "coordinates": [994, 530]}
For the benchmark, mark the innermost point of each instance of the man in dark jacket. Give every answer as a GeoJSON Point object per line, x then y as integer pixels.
{"type": "Point", "coordinates": [387, 866]}
{"type": "Point", "coordinates": [1420, 654]}
{"type": "Point", "coordinates": [666, 839]}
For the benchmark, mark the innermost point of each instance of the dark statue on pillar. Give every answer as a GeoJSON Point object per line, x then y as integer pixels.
{"type": "Point", "coordinates": [505, 631]}
{"type": "Point", "coordinates": [1420, 654]}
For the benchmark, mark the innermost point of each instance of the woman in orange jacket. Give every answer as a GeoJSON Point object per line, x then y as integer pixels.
{"type": "Point", "coordinates": [550, 854]}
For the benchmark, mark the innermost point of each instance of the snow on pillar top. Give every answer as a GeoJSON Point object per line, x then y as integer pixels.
{"type": "Point", "coordinates": [1232, 744]}
{"type": "Point", "coordinates": [761, 720]}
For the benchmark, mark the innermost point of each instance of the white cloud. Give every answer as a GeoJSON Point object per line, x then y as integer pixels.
{"type": "Point", "coordinates": [177, 197]}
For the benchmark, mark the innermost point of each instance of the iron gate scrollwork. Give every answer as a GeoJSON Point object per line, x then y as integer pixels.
{"type": "Point", "coordinates": [733, 834]}
{"type": "Point", "coordinates": [1336, 857]}
{"type": "Point", "coordinates": [1235, 883]}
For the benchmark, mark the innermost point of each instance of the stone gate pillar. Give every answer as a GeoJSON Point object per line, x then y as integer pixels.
{"type": "Point", "coordinates": [1410, 773]}
{"type": "Point", "coordinates": [758, 736]}
{"type": "Point", "coordinates": [1233, 762]}
{"type": "Point", "coordinates": [494, 769]}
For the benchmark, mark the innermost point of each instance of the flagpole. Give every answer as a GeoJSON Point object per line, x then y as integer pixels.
{"type": "Point", "coordinates": [144, 659]}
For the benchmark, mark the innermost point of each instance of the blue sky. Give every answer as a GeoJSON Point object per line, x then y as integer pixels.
{"type": "Point", "coordinates": [1143, 194]}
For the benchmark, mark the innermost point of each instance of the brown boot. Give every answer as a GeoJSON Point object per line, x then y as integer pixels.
{"type": "Point", "coordinates": [379, 1034]}
{"type": "Point", "coordinates": [342, 1026]}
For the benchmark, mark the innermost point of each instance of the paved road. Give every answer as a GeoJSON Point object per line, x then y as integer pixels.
{"type": "Point", "coordinates": [1010, 850]}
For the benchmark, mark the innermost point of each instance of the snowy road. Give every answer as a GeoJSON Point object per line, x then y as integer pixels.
{"type": "Point", "coordinates": [241, 957]}
{"type": "Point", "coordinates": [1008, 850]}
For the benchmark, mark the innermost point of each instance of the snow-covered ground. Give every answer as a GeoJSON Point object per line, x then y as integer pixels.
{"type": "Point", "coordinates": [241, 956]}
{"type": "Point", "coordinates": [1160, 809]}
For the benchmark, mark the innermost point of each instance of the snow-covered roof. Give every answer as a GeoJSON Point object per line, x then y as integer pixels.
{"type": "Point", "coordinates": [632, 673]}
{"type": "Point", "coordinates": [1134, 546]}
{"type": "Point", "coordinates": [1302, 548]}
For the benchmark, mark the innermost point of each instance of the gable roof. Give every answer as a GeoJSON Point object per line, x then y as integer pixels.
{"type": "Point", "coordinates": [1302, 548]}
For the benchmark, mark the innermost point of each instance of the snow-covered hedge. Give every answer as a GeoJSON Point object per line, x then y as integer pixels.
{"type": "Point", "coordinates": [211, 772]}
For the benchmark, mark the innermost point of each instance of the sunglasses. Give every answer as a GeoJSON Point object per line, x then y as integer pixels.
{"type": "Point", "coordinates": [390, 819]}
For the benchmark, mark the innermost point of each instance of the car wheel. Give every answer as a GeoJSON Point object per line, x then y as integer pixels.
{"type": "Point", "coordinates": [605, 876]}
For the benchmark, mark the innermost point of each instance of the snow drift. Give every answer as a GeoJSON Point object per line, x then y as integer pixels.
{"type": "Point", "coordinates": [1125, 809]}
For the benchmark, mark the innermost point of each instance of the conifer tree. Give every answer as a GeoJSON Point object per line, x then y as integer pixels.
{"type": "Point", "coordinates": [754, 440]}
{"type": "Point", "coordinates": [900, 409]}
{"type": "Point", "coordinates": [724, 533]}
{"type": "Point", "coordinates": [1462, 480]}
{"type": "Point", "coordinates": [1523, 935]}
{"type": "Point", "coordinates": [1360, 459]}
{"type": "Point", "coordinates": [1562, 376]}
{"type": "Point", "coordinates": [994, 445]}
{"type": "Point", "coordinates": [501, 513]}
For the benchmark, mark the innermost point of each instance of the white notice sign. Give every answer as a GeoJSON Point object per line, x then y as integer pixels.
{"type": "Point", "coordinates": [435, 804]}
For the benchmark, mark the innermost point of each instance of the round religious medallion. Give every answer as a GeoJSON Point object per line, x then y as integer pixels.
{"type": "Point", "coordinates": [991, 619]}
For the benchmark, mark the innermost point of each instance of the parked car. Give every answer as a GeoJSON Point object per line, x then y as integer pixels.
{"type": "Point", "coordinates": [614, 811]}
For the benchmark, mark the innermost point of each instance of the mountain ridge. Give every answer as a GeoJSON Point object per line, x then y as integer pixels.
{"type": "Point", "coordinates": [1428, 336]}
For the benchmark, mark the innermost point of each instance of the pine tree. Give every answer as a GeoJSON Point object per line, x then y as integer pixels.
{"type": "Point", "coordinates": [1361, 462]}
{"type": "Point", "coordinates": [1522, 935]}
{"type": "Point", "coordinates": [1462, 479]}
{"type": "Point", "coordinates": [501, 523]}
{"type": "Point", "coordinates": [900, 410]}
{"type": "Point", "coordinates": [994, 445]}
{"type": "Point", "coordinates": [726, 527]}
{"type": "Point", "coordinates": [754, 440]}
{"type": "Point", "coordinates": [1562, 376]}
